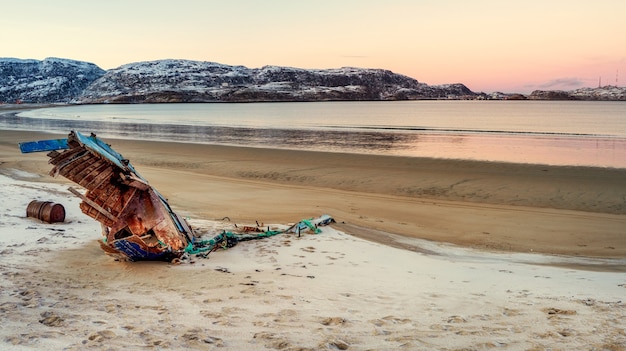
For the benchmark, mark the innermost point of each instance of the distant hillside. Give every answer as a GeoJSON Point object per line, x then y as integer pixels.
{"type": "Point", "coordinates": [62, 80]}
{"type": "Point", "coordinates": [195, 81]}
{"type": "Point", "coordinates": [55, 80]}
{"type": "Point", "coordinates": [50, 80]}
{"type": "Point", "coordinates": [606, 93]}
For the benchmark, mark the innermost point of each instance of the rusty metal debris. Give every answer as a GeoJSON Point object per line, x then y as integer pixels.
{"type": "Point", "coordinates": [46, 211]}
{"type": "Point", "coordinates": [137, 222]}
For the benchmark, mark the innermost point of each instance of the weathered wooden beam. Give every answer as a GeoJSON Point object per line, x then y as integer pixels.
{"type": "Point", "coordinates": [91, 203]}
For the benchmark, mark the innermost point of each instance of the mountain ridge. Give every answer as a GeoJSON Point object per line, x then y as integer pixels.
{"type": "Point", "coordinates": [45, 81]}
{"type": "Point", "coordinates": [57, 80]}
{"type": "Point", "coordinates": [200, 81]}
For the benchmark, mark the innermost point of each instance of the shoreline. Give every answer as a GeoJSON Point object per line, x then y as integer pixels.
{"type": "Point", "coordinates": [572, 211]}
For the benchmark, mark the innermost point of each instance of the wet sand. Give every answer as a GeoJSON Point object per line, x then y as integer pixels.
{"type": "Point", "coordinates": [577, 211]}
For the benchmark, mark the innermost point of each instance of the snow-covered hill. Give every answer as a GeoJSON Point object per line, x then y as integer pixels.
{"type": "Point", "coordinates": [50, 80]}
{"type": "Point", "coordinates": [196, 81]}
{"type": "Point", "coordinates": [62, 80]}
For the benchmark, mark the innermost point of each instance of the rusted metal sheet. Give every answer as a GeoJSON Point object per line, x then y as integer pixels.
{"type": "Point", "coordinates": [137, 222]}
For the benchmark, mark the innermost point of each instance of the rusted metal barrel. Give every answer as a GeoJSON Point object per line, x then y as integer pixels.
{"type": "Point", "coordinates": [46, 211]}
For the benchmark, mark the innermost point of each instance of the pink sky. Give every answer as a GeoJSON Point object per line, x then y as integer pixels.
{"type": "Point", "coordinates": [488, 45]}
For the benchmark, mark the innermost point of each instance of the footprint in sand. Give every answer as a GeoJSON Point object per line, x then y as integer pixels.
{"type": "Point", "coordinates": [219, 318]}
{"type": "Point", "coordinates": [200, 337]}
{"type": "Point", "coordinates": [101, 336]}
{"type": "Point", "coordinates": [456, 319]}
{"type": "Point", "coordinates": [51, 319]}
{"type": "Point", "coordinates": [283, 318]}
{"type": "Point", "coordinates": [273, 340]}
{"type": "Point", "coordinates": [333, 343]}
{"type": "Point", "coordinates": [330, 321]}
{"type": "Point", "coordinates": [551, 311]}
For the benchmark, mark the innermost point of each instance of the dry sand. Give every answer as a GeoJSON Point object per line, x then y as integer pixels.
{"type": "Point", "coordinates": [485, 277]}
{"type": "Point", "coordinates": [327, 291]}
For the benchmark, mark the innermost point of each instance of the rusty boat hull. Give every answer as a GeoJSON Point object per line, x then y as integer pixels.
{"type": "Point", "coordinates": [137, 221]}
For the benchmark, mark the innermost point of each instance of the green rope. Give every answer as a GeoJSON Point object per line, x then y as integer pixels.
{"type": "Point", "coordinates": [228, 239]}
{"type": "Point", "coordinates": [221, 240]}
{"type": "Point", "coordinates": [308, 223]}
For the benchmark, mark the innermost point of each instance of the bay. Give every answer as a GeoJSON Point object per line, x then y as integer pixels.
{"type": "Point", "coordinates": [573, 133]}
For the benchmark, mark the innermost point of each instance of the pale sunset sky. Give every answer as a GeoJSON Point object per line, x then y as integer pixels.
{"type": "Point", "coordinates": [488, 45]}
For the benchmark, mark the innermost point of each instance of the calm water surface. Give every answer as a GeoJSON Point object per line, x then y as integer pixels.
{"type": "Point", "coordinates": [545, 132]}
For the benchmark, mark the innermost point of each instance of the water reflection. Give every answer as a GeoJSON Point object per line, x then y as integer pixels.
{"type": "Point", "coordinates": [323, 140]}
{"type": "Point", "coordinates": [552, 150]}
{"type": "Point", "coordinates": [542, 149]}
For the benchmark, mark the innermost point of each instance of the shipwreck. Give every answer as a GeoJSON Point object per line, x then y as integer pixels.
{"type": "Point", "coordinates": [137, 221]}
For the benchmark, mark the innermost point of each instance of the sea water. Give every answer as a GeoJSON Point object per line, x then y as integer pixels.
{"type": "Point", "coordinates": [577, 133]}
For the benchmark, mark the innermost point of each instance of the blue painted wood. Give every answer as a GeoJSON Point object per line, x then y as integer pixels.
{"type": "Point", "coordinates": [136, 253]}
{"type": "Point", "coordinates": [103, 149]}
{"type": "Point", "coordinates": [43, 145]}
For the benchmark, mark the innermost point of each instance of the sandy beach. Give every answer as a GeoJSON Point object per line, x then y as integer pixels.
{"type": "Point", "coordinates": [427, 254]}
{"type": "Point", "coordinates": [576, 211]}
